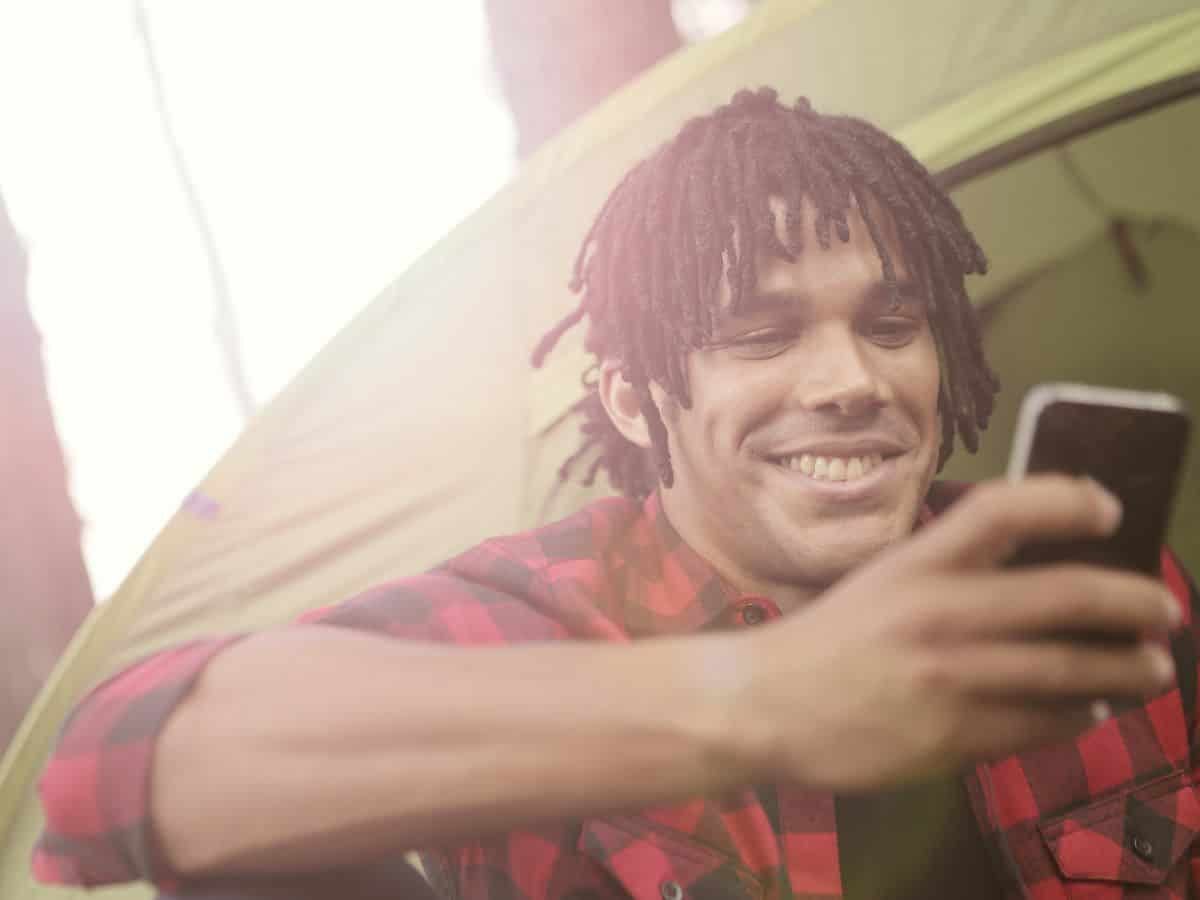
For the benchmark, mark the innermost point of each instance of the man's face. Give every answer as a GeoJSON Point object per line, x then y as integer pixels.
{"type": "Point", "coordinates": [814, 429]}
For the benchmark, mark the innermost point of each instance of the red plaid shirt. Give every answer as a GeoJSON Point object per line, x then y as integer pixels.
{"type": "Point", "coordinates": [1112, 814]}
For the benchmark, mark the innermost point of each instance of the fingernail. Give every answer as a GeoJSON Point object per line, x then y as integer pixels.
{"type": "Point", "coordinates": [1101, 710]}
{"type": "Point", "coordinates": [1164, 666]}
{"type": "Point", "coordinates": [1110, 506]}
{"type": "Point", "coordinates": [1174, 610]}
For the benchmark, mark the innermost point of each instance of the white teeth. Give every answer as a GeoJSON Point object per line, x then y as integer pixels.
{"type": "Point", "coordinates": [833, 468]}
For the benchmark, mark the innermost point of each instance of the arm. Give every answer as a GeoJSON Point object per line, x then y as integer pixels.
{"type": "Point", "coordinates": [384, 745]}
{"type": "Point", "coordinates": [314, 746]}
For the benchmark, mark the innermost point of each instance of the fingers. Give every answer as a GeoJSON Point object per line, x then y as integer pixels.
{"type": "Point", "coordinates": [1050, 599]}
{"type": "Point", "coordinates": [995, 518]}
{"type": "Point", "coordinates": [1038, 672]}
{"type": "Point", "coordinates": [1003, 728]}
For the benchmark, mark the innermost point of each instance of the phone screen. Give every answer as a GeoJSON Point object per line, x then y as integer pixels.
{"type": "Point", "coordinates": [1135, 453]}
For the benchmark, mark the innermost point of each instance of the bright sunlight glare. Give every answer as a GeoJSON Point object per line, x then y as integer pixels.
{"type": "Point", "coordinates": [331, 143]}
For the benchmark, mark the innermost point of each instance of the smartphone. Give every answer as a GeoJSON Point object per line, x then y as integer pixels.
{"type": "Point", "coordinates": [1131, 442]}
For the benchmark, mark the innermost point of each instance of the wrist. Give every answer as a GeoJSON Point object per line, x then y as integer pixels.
{"type": "Point", "coordinates": [738, 741]}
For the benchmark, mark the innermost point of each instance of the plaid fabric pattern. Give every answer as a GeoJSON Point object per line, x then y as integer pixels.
{"type": "Point", "coordinates": [94, 789]}
{"type": "Point", "coordinates": [1112, 814]}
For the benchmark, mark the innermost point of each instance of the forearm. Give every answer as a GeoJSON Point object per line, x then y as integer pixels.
{"type": "Point", "coordinates": [316, 746]}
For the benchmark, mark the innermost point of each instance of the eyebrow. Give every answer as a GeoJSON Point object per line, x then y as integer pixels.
{"type": "Point", "coordinates": [907, 290]}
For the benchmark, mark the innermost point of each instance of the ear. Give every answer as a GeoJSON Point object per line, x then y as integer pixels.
{"type": "Point", "coordinates": [621, 403]}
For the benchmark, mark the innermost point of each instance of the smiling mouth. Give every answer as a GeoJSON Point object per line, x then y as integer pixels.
{"type": "Point", "coordinates": [832, 468]}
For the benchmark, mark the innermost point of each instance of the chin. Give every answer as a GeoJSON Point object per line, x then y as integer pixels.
{"type": "Point", "coordinates": [831, 557]}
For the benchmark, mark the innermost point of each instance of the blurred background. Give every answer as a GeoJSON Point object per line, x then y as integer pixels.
{"type": "Point", "coordinates": [195, 197]}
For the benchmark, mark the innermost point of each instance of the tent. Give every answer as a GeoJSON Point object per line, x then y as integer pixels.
{"type": "Point", "coordinates": [1068, 131]}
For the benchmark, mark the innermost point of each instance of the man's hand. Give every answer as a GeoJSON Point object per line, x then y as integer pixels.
{"type": "Point", "coordinates": [932, 656]}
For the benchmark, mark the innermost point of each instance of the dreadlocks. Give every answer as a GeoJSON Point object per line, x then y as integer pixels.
{"type": "Point", "coordinates": [699, 210]}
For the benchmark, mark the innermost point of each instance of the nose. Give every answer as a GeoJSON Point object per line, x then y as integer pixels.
{"type": "Point", "coordinates": [838, 376]}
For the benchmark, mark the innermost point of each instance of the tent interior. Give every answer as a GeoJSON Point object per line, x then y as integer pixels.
{"type": "Point", "coordinates": [1107, 228]}
{"type": "Point", "coordinates": [1067, 131]}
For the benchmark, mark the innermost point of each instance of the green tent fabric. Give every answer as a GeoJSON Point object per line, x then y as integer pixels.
{"type": "Point", "coordinates": [1087, 319]}
{"type": "Point", "coordinates": [420, 429]}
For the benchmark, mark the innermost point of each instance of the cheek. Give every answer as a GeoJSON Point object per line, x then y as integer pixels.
{"type": "Point", "coordinates": [920, 382]}
{"type": "Point", "coordinates": [924, 390]}
{"type": "Point", "coordinates": [728, 401]}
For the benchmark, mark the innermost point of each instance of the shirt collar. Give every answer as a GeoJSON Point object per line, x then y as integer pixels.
{"type": "Point", "coordinates": [662, 586]}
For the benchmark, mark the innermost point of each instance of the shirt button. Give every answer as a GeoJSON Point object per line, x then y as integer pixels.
{"type": "Point", "coordinates": [1143, 848]}
{"type": "Point", "coordinates": [753, 614]}
{"type": "Point", "coordinates": [670, 890]}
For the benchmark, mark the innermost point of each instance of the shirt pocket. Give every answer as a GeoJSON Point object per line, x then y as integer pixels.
{"type": "Point", "coordinates": [655, 863]}
{"type": "Point", "coordinates": [1134, 838]}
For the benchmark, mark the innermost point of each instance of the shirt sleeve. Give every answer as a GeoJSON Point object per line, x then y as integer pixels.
{"type": "Point", "coordinates": [95, 788]}
{"type": "Point", "coordinates": [1185, 648]}
{"type": "Point", "coordinates": [448, 607]}
{"type": "Point", "coordinates": [1185, 644]}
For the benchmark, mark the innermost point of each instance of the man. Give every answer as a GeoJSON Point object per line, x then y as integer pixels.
{"type": "Point", "coordinates": [746, 677]}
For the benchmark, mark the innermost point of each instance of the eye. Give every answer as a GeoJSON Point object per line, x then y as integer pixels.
{"type": "Point", "coordinates": [894, 331]}
{"type": "Point", "coordinates": [761, 344]}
